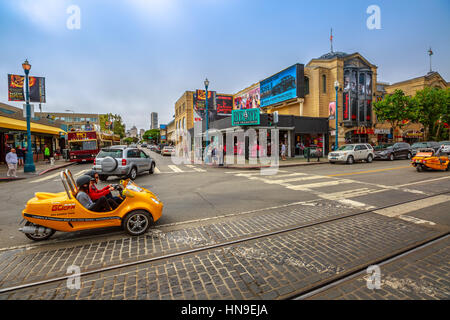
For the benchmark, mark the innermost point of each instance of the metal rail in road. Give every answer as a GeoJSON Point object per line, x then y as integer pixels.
{"type": "Point", "coordinates": [298, 295]}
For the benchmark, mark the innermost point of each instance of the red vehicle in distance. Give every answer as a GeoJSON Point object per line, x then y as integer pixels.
{"type": "Point", "coordinates": [85, 145]}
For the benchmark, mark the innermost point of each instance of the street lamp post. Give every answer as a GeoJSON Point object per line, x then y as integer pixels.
{"type": "Point", "coordinates": [207, 114]}
{"type": "Point", "coordinates": [336, 87]}
{"type": "Point", "coordinates": [29, 163]}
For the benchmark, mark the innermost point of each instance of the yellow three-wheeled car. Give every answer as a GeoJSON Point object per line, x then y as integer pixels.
{"type": "Point", "coordinates": [50, 212]}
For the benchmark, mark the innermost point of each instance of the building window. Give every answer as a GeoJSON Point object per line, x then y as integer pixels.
{"type": "Point", "coordinates": [324, 83]}
{"type": "Point", "coordinates": [306, 85]}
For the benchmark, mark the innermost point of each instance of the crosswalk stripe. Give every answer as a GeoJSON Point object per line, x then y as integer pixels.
{"type": "Point", "coordinates": [199, 169]}
{"type": "Point", "coordinates": [307, 187]}
{"type": "Point", "coordinates": [413, 206]}
{"type": "Point", "coordinates": [175, 168]}
{"type": "Point", "coordinates": [156, 170]}
{"type": "Point", "coordinates": [282, 181]}
{"type": "Point", "coordinates": [355, 204]}
{"type": "Point", "coordinates": [349, 193]}
{"type": "Point", "coordinates": [45, 178]}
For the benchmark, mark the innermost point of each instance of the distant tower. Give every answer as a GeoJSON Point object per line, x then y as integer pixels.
{"type": "Point", "coordinates": [331, 40]}
{"type": "Point", "coordinates": [154, 120]}
{"type": "Point", "coordinates": [430, 53]}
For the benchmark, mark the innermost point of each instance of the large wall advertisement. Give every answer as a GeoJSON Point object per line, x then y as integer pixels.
{"type": "Point", "coordinates": [200, 105]}
{"type": "Point", "coordinates": [16, 90]}
{"type": "Point", "coordinates": [224, 105]}
{"type": "Point", "coordinates": [248, 99]}
{"type": "Point", "coordinates": [285, 85]}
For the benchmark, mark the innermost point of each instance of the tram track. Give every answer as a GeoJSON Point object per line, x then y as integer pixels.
{"type": "Point", "coordinates": [362, 270]}
{"type": "Point", "coordinates": [241, 240]}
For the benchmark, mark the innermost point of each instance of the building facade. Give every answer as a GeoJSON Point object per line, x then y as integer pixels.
{"type": "Point", "coordinates": [154, 120]}
{"type": "Point", "coordinates": [358, 89]}
{"type": "Point", "coordinates": [76, 121]}
{"type": "Point", "coordinates": [44, 131]}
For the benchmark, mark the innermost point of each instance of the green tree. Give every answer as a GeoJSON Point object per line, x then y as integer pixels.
{"type": "Point", "coordinates": [432, 109]}
{"type": "Point", "coordinates": [116, 124]}
{"type": "Point", "coordinates": [130, 140]}
{"type": "Point", "coordinates": [395, 108]}
{"type": "Point", "coordinates": [152, 134]}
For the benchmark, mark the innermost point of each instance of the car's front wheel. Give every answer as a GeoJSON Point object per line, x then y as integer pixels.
{"type": "Point", "coordinates": [419, 168]}
{"type": "Point", "coordinates": [137, 222]}
{"type": "Point", "coordinates": [133, 173]}
{"type": "Point", "coordinates": [350, 160]}
{"type": "Point", "coordinates": [391, 157]}
{"type": "Point", "coordinates": [409, 156]}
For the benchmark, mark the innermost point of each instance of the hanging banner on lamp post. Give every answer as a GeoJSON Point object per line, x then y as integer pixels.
{"type": "Point", "coordinates": [332, 111]}
{"type": "Point", "coordinates": [16, 92]}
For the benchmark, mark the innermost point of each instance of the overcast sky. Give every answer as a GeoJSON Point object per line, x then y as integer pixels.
{"type": "Point", "coordinates": [138, 56]}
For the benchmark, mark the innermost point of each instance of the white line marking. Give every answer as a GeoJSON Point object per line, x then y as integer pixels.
{"type": "Point", "coordinates": [307, 187]}
{"type": "Point", "coordinates": [174, 168]}
{"type": "Point", "coordinates": [423, 181]}
{"type": "Point", "coordinates": [282, 181]}
{"type": "Point", "coordinates": [198, 169]}
{"type": "Point", "coordinates": [413, 206]}
{"type": "Point", "coordinates": [416, 220]}
{"type": "Point", "coordinates": [355, 204]}
{"type": "Point", "coordinates": [45, 178]}
{"type": "Point", "coordinates": [156, 170]}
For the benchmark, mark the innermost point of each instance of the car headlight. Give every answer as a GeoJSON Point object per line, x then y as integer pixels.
{"type": "Point", "coordinates": [155, 201]}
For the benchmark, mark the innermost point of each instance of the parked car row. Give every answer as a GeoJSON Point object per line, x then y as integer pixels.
{"type": "Point", "coordinates": [350, 153]}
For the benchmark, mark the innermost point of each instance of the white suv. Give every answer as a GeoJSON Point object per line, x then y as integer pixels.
{"type": "Point", "coordinates": [350, 153]}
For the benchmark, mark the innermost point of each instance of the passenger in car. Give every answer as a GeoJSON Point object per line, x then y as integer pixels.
{"type": "Point", "coordinates": [95, 193]}
{"type": "Point", "coordinates": [101, 205]}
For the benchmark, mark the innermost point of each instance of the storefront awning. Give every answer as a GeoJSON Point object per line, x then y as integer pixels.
{"type": "Point", "coordinates": [21, 125]}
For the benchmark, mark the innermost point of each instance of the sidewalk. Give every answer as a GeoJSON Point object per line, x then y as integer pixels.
{"type": "Point", "coordinates": [289, 162]}
{"type": "Point", "coordinates": [42, 167]}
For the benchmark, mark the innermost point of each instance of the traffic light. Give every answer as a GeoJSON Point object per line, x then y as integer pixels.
{"type": "Point", "coordinates": [269, 119]}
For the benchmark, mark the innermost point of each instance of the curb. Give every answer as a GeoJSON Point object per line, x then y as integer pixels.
{"type": "Point", "coordinates": [56, 168]}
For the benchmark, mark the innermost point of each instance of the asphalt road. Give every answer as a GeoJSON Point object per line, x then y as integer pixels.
{"type": "Point", "coordinates": [194, 192]}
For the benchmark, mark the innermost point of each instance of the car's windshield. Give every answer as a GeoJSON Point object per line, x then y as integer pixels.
{"type": "Point", "coordinates": [346, 147]}
{"type": "Point", "coordinates": [114, 153]}
{"type": "Point", "coordinates": [83, 145]}
{"type": "Point", "coordinates": [419, 145]}
{"type": "Point", "coordinates": [383, 146]}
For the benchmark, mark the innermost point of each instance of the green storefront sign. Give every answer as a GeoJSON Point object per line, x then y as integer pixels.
{"type": "Point", "coordinates": [245, 117]}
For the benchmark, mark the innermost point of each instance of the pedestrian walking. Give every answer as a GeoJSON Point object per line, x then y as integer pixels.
{"type": "Point", "coordinates": [46, 153]}
{"type": "Point", "coordinates": [20, 156]}
{"type": "Point", "coordinates": [11, 161]}
{"type": "Point", "coordinates": [283, 151]}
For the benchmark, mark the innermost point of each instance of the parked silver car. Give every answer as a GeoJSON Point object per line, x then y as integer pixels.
{"type": "Point", "coordinates": [350, 153]}
{"type": "Point", "coordinates": [122, 161]}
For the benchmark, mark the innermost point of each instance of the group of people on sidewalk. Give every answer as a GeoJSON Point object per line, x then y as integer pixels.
{"type": "Point", "coordinates": [16, 156]}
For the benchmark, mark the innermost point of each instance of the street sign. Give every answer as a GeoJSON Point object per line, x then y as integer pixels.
{"type": "Point", "coordinates": [25, 110]}
{"type": "Point", "coordinates": [245, 117]}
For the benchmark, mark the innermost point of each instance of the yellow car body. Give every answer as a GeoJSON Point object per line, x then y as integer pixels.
{"type": "Point", "coordinates": [62, 211]}
{"type": "Point", "coordinates": [427, 160]}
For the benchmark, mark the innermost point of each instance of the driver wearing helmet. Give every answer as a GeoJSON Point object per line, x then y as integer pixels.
{"type": "Point", "coordinates": [100, 205]}
{"type": "Point", "coordinates": [95, 193]}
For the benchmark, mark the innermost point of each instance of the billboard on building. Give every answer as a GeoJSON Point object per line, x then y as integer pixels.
{"type": "Point", "coordinates": [224, 105]}
{"type": "Point", "coordinates": [199, 103]}
{"type": "Point", "coordinates": [248, 99]}
{"type": "Point", "coordinates": [16, 92]}
{"type": "Point", "coordinates": [285, 85]}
